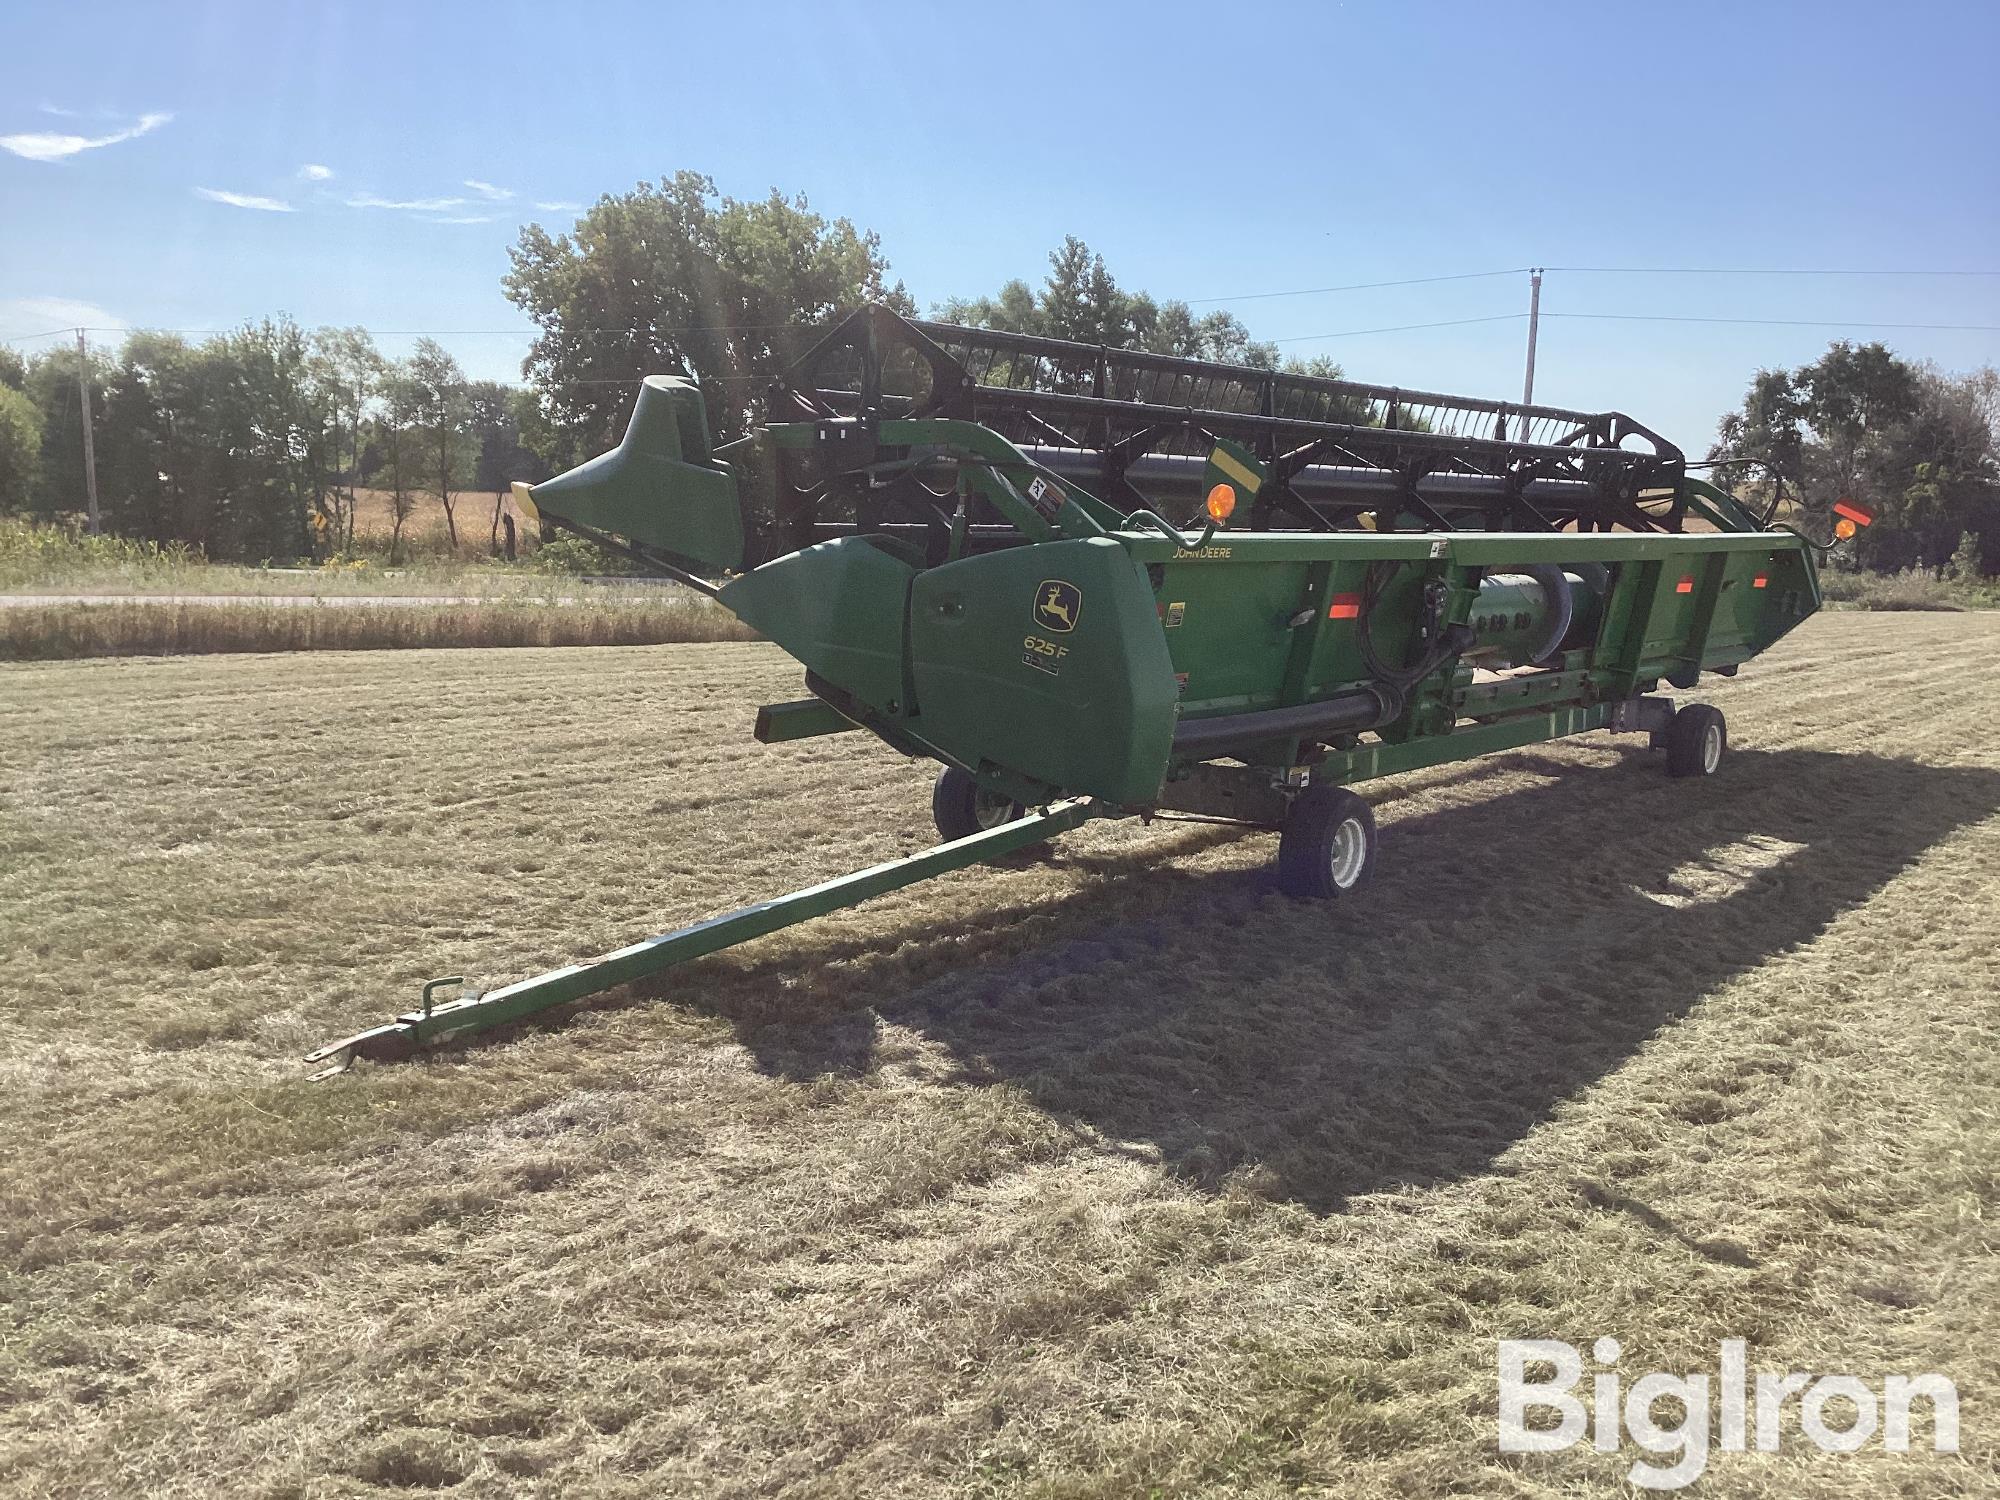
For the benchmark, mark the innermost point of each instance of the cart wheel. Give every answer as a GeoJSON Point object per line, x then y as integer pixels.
{"type": "Point", "coordinates": [1696, 738]}
{"type": "Point", "coordinates": [1327, 848]}
{"type": "Point", "coordinates": [961, 807]}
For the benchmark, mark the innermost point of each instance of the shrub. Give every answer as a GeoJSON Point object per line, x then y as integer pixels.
{"type": "Point", "coordinates": [1911, 589]}
{"type": "Point", "coordinates": [576, 556]}
{"type": "Point", "coordinates": [1966, 565]}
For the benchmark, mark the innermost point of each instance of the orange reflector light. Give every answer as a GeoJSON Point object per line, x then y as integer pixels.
{"type": "Point", "coordinates": [1685, 586]}
{"type": "Point", "coordinates": [1344, 607]}
{"type": "Point", "coordinates": [1843, 528]}
{"type": "Point", "coordinates": [1761, 581]}
{"type": "Point", "coordinates": [1860, 515]}
{"type": "Point", "coordinates": [1221, 503]}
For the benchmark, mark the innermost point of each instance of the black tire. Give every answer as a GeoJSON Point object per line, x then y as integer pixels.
{"type": "Point", "coordinates": [1327, 849]}
{"type": "Point", "coordinates": [1697, 738]}
{"type": "Point", "coordinates": [961, 807]}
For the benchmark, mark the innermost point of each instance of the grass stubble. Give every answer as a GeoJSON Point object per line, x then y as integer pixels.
{"type": "Point", "coordinates": [70, 630]}
{"type": "Point", "coordinates": [1110, 1174]}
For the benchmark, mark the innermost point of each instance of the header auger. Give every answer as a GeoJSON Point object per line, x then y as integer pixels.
{"type": "Point", "coordinates": [1099, 583]}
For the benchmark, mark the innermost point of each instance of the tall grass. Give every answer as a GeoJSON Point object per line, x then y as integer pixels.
{"type": "Point", "coordinates": [58, 632]}
{"type": "Point", "coordinates": [32, 555]}
{"type": "Point", "coordinates": [37, 558]}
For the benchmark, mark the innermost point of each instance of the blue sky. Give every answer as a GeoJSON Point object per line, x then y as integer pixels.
{"type": "Point", "coordinates": [1208, 152]}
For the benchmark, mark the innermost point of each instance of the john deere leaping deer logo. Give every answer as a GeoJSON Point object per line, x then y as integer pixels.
{"type": "Point", "coordinates": [1057, 605]}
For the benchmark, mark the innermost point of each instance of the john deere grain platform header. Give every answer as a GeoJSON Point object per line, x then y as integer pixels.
{"type": "Point", "coordinates": [1094, 582]}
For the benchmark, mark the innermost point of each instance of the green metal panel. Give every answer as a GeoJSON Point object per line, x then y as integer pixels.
{"type": "Point", "coordinates": [801, 719]}
{"type": "Point", "coordinates": [1229, 630]}
{"type": "Point", "coordinates": [661, 486]}
{"type": "Point", "coordinates": [1063, 666]}
{"type": "Point", "coordinates": [838, 608]}
{"type": "Point", "coordinates": [1048, 661]}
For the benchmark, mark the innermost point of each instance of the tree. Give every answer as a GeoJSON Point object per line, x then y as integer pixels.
{"type": "Point", "coordinates": [343, 375]}
{"type": "Point", "coordinates": [1946, 461]}
{"type": "Point", "coordinates": [50, 381]}
{"type": "Point", "coordinates": [1915, 446]}
{"type": "Point", "coordinates": [1015, 310]}
{"type": "Point", "coordinates": [673, 276]}
{"type": "Point", "coordinates": [1766, 430]}
{"type": "Point", "coordinates": [502, 457]}
{"type": "Point", "coordinates": [400, 446]}
{"type": "Point", "coordinates": [20, 447]}
{"type": "Point", "coordinates": [1081, 301]}
{"type": "Point", "coordinates": [442, 414]}
{"type": "Point", "coordinates": [1855, 401]}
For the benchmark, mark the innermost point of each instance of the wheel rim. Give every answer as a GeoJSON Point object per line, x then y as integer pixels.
{"type": "Point", "coordinates": [989, 811]}
{"type": "Point", "coordinates": [1711, 749]}
{"type": "Point", "coordinates": [1350, 853]}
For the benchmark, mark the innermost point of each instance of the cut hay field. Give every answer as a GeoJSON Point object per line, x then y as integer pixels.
{"type": "Point", "coordinates": [1112, 1175]}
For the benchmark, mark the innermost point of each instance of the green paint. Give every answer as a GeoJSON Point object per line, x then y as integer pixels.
{"type": "Point", "coordinates": [431, 1024]}
{"type": "Point", "coordinates": [1060, 668]}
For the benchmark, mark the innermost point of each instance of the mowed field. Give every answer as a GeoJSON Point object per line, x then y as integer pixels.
{"type": "Point", "coordinates": [1112, 1174]}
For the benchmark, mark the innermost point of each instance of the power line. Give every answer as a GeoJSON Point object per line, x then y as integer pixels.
{"type": "Point", "coordinates": [1364, 286]}
{"type": "Point", "coordinates": [1349, 333]}
{"type": "Point", "coordinates": [1745, 271]}
{"type": "Point", "coordinates": [1779, 322]}
{"type": "Point", "coordinates": [1359, 286]}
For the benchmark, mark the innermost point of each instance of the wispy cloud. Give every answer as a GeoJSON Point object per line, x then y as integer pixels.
{"type": "Point", "coordinates": [312, 171]}
{"type": "Point", "coordinates": [49, 145]}
{"type": "Point", "coordinates": [408, 205]}
{"type": "Point", "coordinates": [245, 200]}
{"type": "Point", "coordinates": [559, 206]}
{"type": "Point", "coordinates": [463, 218]}
{"type": "Point", "coordinates": [20, 316]}
{"type": "Point", "coordinates": [488, 191]}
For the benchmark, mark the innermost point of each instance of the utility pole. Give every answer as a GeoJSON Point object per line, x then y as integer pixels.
{"type": "Point", "coordinates": [1534, 326]}
{"type": "Point", "coordinates": [89, 439]}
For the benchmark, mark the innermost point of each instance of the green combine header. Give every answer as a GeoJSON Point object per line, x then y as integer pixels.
{"type": "Point", "coordinates": [1100, 583]}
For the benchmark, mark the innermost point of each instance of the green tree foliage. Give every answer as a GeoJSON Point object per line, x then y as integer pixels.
{"type": "Point", "coordinates": [1917, 447]}
{"type": "Point", "coordinates": [401, 448]}
{"type": "Point", "coordinates": [249, 445]}
{"type": "Point", "coordinates": [497, 417]}
{"type": "Point", "coordinates": [1081, 301]}
{"type": "Point", "coordinates": [673, 276]}
{"type": "Point", "coordinates": [1966, 565]}
{"type": "Point", "coordinates": [50, 381]}
{"type": "Point", "coordinates": [344, 373]}
{"type": "Point", "coordinates": [443, 422]}
{"type": "Point", "coordinates": [20, 447]}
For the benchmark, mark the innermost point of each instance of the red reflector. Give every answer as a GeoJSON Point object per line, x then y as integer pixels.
{"type": "Point", "coordinates": [1344, 607]}
{"type": "Point", "coordinates": [1761, 581]}
{"type": "Point", "coordinates": [1855, 513]}
{"type": "Point", "coordinates": [1685, 586]}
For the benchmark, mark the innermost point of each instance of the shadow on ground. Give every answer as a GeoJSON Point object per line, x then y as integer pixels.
{"type": "Point", "coordinates": [1512, 951]}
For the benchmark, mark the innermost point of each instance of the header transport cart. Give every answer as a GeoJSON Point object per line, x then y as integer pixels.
{"type": "Point", "coordinates": [1100, 583]}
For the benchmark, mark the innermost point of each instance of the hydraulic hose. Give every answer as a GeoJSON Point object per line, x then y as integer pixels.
{"type": "Point", "coordinates": [1344, 713]}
